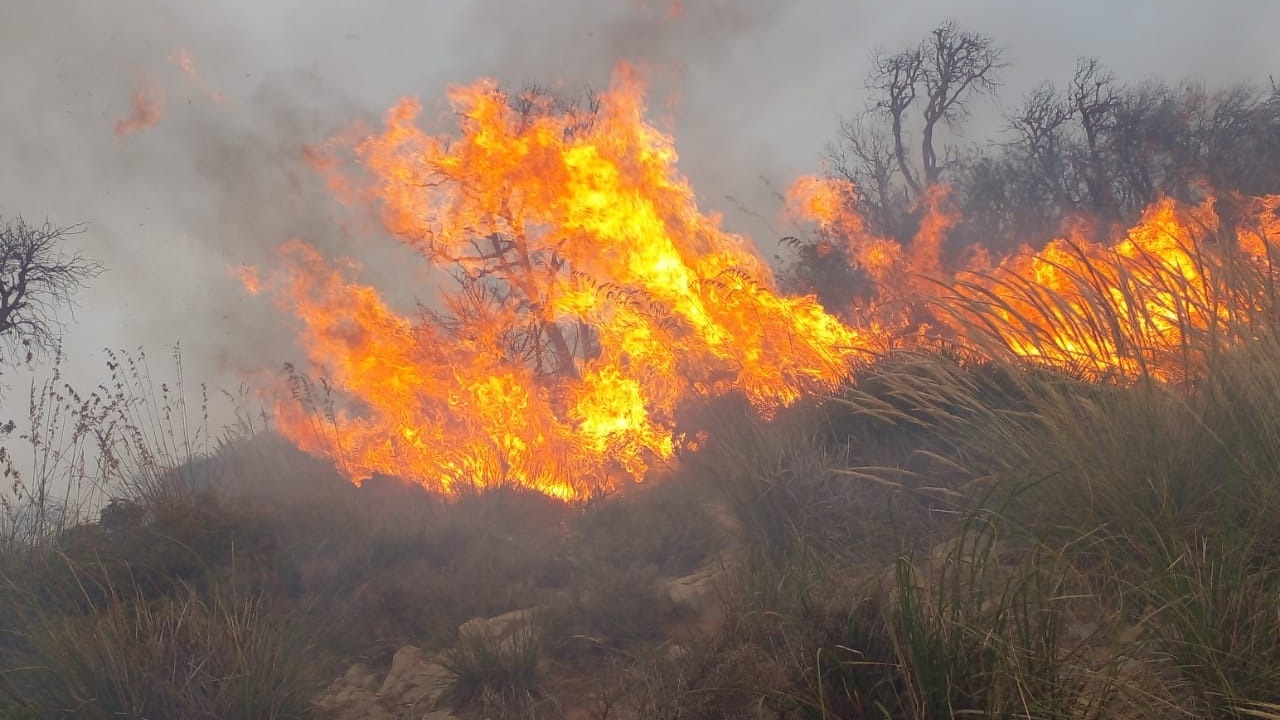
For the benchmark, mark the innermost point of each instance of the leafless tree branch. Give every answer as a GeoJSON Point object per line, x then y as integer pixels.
{"type": "Point", "coordinates": [38, 280]}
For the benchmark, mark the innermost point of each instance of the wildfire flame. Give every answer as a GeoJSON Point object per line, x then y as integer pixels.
{"type": "Point", "coordinates": [1149, 303]}
{"type": "Point", "coordinates": [590, 298]}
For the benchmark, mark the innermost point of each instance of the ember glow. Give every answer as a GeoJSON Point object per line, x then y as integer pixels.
{"type": "Point", "coordinates": [589, 298]}
{"type": "Point", "coordinates": [181, 57]}
{"type": "Point", "coordinates": [147, 109]}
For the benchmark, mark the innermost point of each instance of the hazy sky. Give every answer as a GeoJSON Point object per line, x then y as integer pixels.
{"type": "Point", "coordinates": [759, 87]}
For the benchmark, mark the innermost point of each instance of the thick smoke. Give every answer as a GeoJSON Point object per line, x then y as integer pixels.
{"type": "Point", "coordinates": [755, 90]}
{"type": "Point", "coordinates": [172, 209]}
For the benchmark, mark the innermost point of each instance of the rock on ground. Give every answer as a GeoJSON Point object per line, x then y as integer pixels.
{"type": "Point", "coordinates": [411, 690]}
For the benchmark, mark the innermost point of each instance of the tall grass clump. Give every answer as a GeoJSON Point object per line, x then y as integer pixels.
{"type": "Point", "coordinates": [131, 440]}
{"type": "Point", "coordinates": [1153, 468]}
{"type": "Point", "coordinates": [978, 628]}
{"type": "Point", "coordinates": [793, 513]}
{"type": "Point", "coordinates": [823, 498]}
{"type": "Point", "coordinates": [497, 665]}
{"type": "Point", "coordinates": [192, 653]}
{"type": "Point", "coordinates": [129, 585]}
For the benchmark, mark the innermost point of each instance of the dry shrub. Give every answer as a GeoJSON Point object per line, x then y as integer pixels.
{"type": "Point", "coordinates": [210, 653]}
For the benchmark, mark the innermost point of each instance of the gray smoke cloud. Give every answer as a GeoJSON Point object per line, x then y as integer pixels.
{"type": "Point", "coordinates": [751, 89]}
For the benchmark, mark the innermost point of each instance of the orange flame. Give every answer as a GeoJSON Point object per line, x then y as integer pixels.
{"type": "Point", "coordinates": [1142, 305]}
{"type": "Point", "coordinates": [1153, 303]}
{"type": "Point", "coordinates": [593, 297]}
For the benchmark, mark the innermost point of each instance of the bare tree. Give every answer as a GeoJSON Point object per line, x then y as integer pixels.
{"type": "Point", "coordinates": [37, 281]}
{"type": "Point", "coordinates": [1095, 97]}
{"type": "Point", "coordinates": [895, 80]}
{"type": "Point", "coordinates": [957, 64]}
{"type": "Point", "coordinates": [1041, 126]}
{"type": "Point", "coordinates": [944, 72]}
{"type": "Point", "coordinates": [864, 155]}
